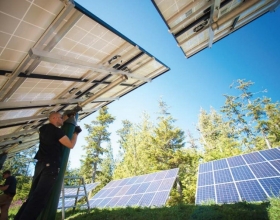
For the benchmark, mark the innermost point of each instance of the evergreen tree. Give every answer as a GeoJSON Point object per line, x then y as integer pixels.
{"type": "Point", "coordinates": [134, 142]}
{"type": "Point", "coordinates": [217, 137]}
{"type": "Point", "coordinates": [251, 118]}
{"type": "Point", "coordinates": [166, 140]}
{"type": "Point", "coordinates": [107, 167]}
{"type": "Point", "coordinates": [97, 135]}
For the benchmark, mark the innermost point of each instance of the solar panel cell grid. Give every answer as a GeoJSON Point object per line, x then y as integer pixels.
{"type": "Point", "coordinates": [113, 202]}
{"type": "Point", "coordinates": [134, 200]}
{"type": "Point", "coordinates": [251, 191]}
{"type": "Point", "coordinates": [171, 173]}
{"type": "Point", "coordinates": [206, 167]}
{"type": "Point", "coordinates": [99, 194]}
{"type": "Point", "coordinates": [166, 184]}
{"type": "Point", "coordinates": [263, 170]}
{"type": "Point", "coordinates": [205, 179]}
{"type": "Point", "coordinates": [159, 198]}
{"type": "Point", "coordinates": [107, 192]}
{"type": "Point", "coordinates": [154, 186]}
{"type": "Point", "coordinates": [133, 189]}
{"type": "Point", "coordinates": [123, 190]}
{"type": "Point", "coordinates": [255, 180]}
{"type": "Point", "coordinates": [253, 158]}
{"type": "Point", "coordinates": [141, 179]}
{"type": "Point", "coordinates": [122, 201]}
{"type": "Point", "coordinates": [271, 186]}
{"type": "Point", "coordinates": [150, 178]}
{"type": "Point", "coordinates": [124, 182]}
{"type": "Point", "coordinates": [114, 191]}
{"type": "Point", "coordinates": [236, 161]}
{"type": "Point", "coordinates": [146, 199]}
{"type": "Point", "coordinates": [242, 173]}
{"type": "Point", "coordinates": [227, 193]}
{"type": "Point", "coordinates": [271, 154]}
{"type": "Point", "coordinates": [222, 176]}
{"type": "Point", "coordinates": [143, 188]}
{"type": "Point", "coordinates": [121, 193]}
{"type": "Point", "coordinates": [276, 164]}
{"type": "Point", "coordinates": [111, 184]}
{"type": "Point", "coordinates": [132, 180]}
{"type": "Point", "coordinates": [104, 202]}
{"type": "Point", "coordinates": [204, 194]}
{"type": "Point", "coordinates": [160, 175]}
{"type": "Point", "coordinates": [95, 202]}
{"type": "Point", "coordinates": [220, 164]}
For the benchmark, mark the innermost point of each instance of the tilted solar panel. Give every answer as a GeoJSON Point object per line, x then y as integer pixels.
{"type": "Point", "coordinates": [70, 193]}
{"type": "Point", "coordinates": [250, 177]}
{"type": "Point", "coordinates": [145, 190]}
{"type": "Point", "coordinates": [55, 55]}
{"type": "Point", "coordinates": [196, 25]}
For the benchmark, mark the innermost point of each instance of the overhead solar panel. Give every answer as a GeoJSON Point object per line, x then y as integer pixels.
{"type": "Point", "coordinates": [147, 190]}
{"type": "Point", "coordinates": [250, 177]}
{"type": "Point", "coordinates": [198, 24]}
{"type": "Point", "coordinates": [54, 55]}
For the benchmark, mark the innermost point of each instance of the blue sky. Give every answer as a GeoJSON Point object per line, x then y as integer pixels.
{"type": "Point", "coordinates": [251, 53]}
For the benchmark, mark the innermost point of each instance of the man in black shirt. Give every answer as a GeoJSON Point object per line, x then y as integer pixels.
{"type": "Point", "coordinates": [9, 189]}
{"type": "Point", "coordinates": [48, 165]}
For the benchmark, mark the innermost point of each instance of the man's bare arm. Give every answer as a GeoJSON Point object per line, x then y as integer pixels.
{"type": "Point", "coordinates": [67, 142]}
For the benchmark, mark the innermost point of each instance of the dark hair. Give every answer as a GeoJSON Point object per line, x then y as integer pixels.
{"type": "Point", "coordinates": [7, 172]}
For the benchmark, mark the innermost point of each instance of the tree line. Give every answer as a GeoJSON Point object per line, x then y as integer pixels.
{"type": "Point", "coordinates": [248, 121]}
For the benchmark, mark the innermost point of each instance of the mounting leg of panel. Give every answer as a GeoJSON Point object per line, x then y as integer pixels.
{"type": "Point", "coordinates": [214, 15]}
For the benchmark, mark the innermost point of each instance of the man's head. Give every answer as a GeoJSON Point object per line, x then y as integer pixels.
{"type": "Point", "coordinates": [6, 174]}
{"type": "Point", "coordinates": [56, 119]}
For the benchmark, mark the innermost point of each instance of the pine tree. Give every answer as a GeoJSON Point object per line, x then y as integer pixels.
{"type": "Point", "coordinates": [98, 134]}
{"type": "Point", "coordinates": [251, 117]}
{"type": "Point", "coordinates": [217, 137]}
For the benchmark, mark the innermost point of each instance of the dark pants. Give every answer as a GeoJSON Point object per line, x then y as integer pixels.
{"type": "Point", "coordinates": [44, 178]}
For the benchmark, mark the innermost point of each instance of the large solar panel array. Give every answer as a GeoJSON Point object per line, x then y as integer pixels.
{"type": "Point", "coordinates": [249, 177]}
{"type": "Point", "coordinates": [145, 191]}
{"type": "Point", "coordinates": [55, 54]}
{"type": "Point", "coordinates": [198, 24]}
{"type": "Point", "coordinates": [71, 193]}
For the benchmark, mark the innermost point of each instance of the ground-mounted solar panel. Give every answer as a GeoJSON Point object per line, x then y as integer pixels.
{"type": "Point", "coordinates": [70, 194]}
{"type": "Point", "coordinates": [250, 177]}
{"type": "Point", "coordinates": [145, 191]}
{"type": "Point", "coordinates": [55, 55]}
{"type": "Point", "coordinates": [198, 24]}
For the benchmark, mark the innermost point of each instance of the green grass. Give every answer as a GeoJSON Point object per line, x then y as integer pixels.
{"type": "Point", "coordinates": [238, 211]}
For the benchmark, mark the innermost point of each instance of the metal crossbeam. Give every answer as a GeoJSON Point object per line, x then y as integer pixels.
{"type": "Point", "coordinates": [20, 140]}
{"type": "Point", "coordinates": [11, 105]}
{"type": "Point", "coordinates": [24, 119]}
{"type": "Point", "coordinates": [42, 55]}
{"type": "Point", "coordinates": [15, 134]}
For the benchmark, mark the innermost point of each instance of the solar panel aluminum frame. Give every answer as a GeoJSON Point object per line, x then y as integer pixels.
{"type": "Point", "coordinates": [118, 68]}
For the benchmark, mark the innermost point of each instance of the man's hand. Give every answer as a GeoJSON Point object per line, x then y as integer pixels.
{"type": "Point", "coordinates": [77, 129]}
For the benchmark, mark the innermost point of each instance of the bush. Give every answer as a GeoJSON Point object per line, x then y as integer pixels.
{"type": "Point", "coordinates": [274, 208]}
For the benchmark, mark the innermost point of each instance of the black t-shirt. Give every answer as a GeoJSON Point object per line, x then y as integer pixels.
{"type": "Point", "coordinates": [50, 148]}
{"type": "Point", "coordinates": [12, 182]}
